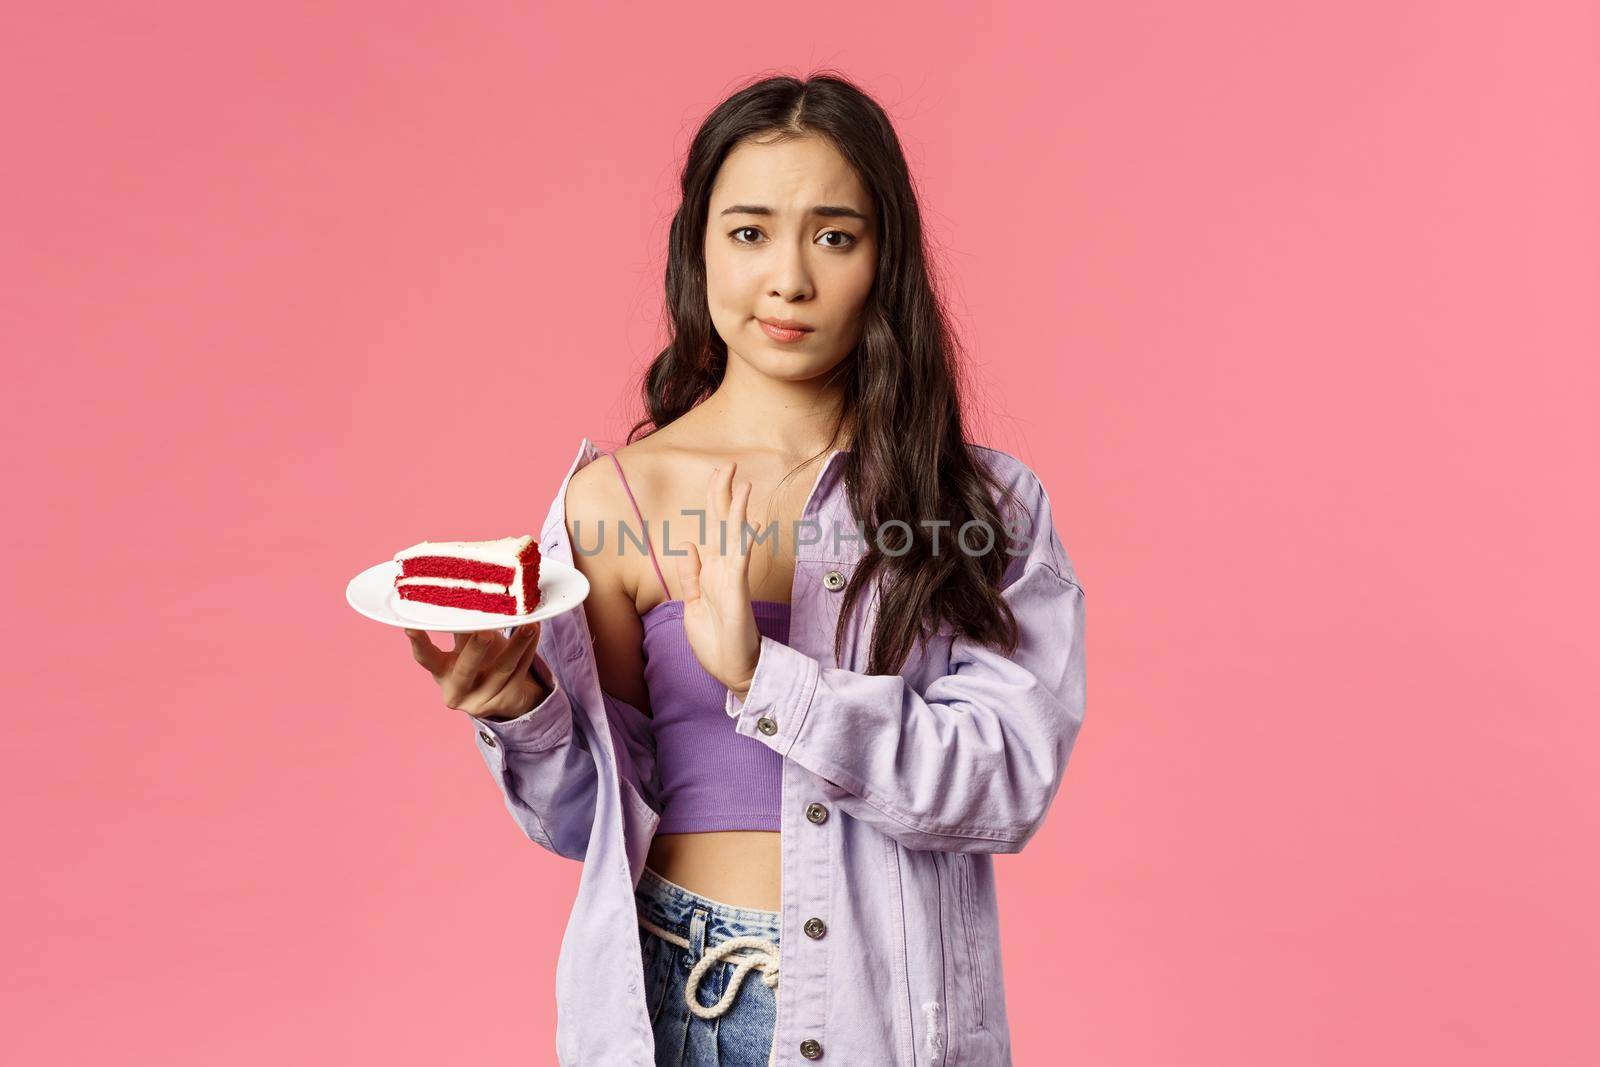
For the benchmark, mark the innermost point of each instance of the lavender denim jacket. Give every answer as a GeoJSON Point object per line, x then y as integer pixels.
{"type": "Point", "coordinates": [897, 790]}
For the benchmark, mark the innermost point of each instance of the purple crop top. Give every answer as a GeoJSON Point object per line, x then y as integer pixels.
{"type": "Point", "coordinates": [711, 777]}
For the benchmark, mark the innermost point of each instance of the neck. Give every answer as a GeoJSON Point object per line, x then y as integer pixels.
{"type": "Point", "coordinates": [772, 414]}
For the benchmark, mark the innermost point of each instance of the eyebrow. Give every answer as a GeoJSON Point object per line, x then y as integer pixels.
{"type": "Point", "coordinates": [832, 211]}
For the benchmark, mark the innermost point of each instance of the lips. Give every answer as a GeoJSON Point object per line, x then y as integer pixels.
{"type": "Point", "coordinates": [776, 330]}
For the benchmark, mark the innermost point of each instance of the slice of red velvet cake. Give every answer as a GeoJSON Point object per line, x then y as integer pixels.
{"type": "Point", "coordinates": [500, 576]}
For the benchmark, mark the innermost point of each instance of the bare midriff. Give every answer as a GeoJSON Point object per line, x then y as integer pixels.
{"type": "Point", "coordinates": [738, 867]}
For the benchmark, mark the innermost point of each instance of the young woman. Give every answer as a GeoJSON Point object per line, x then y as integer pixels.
{"type": "Point", "coordinates": [832, 656]}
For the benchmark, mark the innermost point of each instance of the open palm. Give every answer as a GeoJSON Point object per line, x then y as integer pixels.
{"type": "Point", "coordinates": [717, 617]}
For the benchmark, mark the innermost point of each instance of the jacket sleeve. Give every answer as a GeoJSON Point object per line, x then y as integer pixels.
{"type": "Point", "coordinates": [972, 761]}
{"type": "Point", "coordinates": [542, 763]}
{"type": "Point", "coordinates": [545, 768]}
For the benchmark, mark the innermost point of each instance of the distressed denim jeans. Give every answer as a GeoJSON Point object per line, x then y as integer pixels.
{"type": "Point", "coordinates": [711, 973]}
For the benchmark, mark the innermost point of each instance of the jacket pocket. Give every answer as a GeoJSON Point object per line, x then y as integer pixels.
{"type": "Point", "coordinates": [969, 928]}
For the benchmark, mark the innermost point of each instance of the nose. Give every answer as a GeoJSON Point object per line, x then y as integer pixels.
{"type": "Point", "coordinates": [791, 275]}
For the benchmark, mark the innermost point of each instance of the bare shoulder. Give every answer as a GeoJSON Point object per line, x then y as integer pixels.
{"type": "Point", "coordinates": [602, 523]}
{"type": "Point", "coordinates": [596, 506]}
{"type": "Point", "coordinates": [657, 468]}
{"type": "Point", "coordinates": [595, 503]}
{"type": "Point", "coordinates": [590, 494]}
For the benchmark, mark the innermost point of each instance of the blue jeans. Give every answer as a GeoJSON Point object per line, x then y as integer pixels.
{"type": "Point", "coordinates": [724, 959]}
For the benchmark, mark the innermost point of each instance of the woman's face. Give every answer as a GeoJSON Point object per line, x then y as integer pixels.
{"type": "Point", "coordinates": [791, 235]}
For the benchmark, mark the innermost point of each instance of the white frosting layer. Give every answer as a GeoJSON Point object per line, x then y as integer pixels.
{"type": "Point", "coordinates": [455, 583]}
{"type": "Point", "coordinates": [503, 551]}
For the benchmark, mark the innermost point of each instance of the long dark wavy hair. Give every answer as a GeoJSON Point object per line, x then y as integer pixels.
{"type": "Point", "coordinates": [909, 458]}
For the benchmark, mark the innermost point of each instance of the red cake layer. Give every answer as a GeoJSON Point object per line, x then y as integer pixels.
{"type": "Point", "coordinates": [530, 575]}
{"type": "Point", "coordinates": [452, 567]}
{"type": "Point", "coordinates": [456, 597]}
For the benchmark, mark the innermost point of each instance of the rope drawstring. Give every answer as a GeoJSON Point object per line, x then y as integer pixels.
{"type": "Point", "coordinates": [763, 954]}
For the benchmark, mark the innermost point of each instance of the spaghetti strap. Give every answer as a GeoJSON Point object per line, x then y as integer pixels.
{"type": "Point", "coordinates": [642, 523]}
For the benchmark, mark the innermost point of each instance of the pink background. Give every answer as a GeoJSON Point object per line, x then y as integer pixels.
{"type": "Point", "coordinates": [1292, 306]}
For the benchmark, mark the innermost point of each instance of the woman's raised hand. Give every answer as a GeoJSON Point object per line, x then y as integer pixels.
{"type": "Point", "coordinates": [717, 616]}
{"type": "Point", "coordinates": [485, 675]}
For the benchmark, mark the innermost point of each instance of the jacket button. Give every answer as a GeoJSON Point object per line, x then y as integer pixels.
{"type": "Point", "coordinates": [486, 737]}
{"type": "Point", "coordinates": [817, 813]}
{"type": "Point", "coordinates": [766, 725]}
{"type": "Point", "coordinates": [814, 927]}
{"type": "Point", "coordinates": [833, 580]}
{"type": "Point", "coordinates": [811, 1049]}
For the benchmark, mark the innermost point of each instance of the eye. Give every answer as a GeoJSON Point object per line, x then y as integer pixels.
{"type": "Point", "coordinates": [849, 238]}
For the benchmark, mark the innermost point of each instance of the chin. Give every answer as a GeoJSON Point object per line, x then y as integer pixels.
{"type": "Point", "coordinates": [792, 368]}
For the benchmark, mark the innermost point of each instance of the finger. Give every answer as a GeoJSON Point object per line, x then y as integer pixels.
{"type": "Point", "coordinates": [524, 661]}
{"type": "Point", "coordinates": [504, 666]}
{"type": "Point", "coordinates": [736, 518]}
{"type": "Point", "coordinates": [725, 490]}
{"type": "Point", "coordinates": [463, 676]}
{"type": "Point", "coordinates": [504, 697]}
{"type": "Point", "coordinates": [689, 571]}
{"type": "Point", "coordinates": [425, 652]}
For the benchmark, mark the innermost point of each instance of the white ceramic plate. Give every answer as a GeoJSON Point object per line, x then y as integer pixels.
{"type": "Point", "coordinates": [372, 593]}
